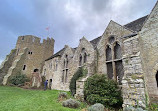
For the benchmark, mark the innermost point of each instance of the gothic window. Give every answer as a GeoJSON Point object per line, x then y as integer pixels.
{"type": "Point", "coordinates": [56, 65]}
{"type": "Point", "coordinates": [82, 57]}
{"type": "Point", "coordinates": [108, 54]}
{"type": "Point", "coordinates": [114, 60]}
{"type": "Point", "coordinates": [63, 75]}
{"type": "Point", "coordinates": [65, 69]}
{"type": "Point", "coordinates": [85, 58]}
{"type": "Point", "coordinates": [80, 61]}
{"type": "Point", "coordinates": [157, 78]}
{"type": "Point", "coordinates": [117, 51]}
{"type": "Point", "coordinates": [109, 70]}
{"type": "Point", "coordinates": [111, 39]}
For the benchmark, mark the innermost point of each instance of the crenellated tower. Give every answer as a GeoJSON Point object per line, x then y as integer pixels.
{"type": "Point", "coordinates": [29, 55]}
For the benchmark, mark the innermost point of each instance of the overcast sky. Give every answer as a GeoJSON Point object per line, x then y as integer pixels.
{"type": "Point", "coordinates": [69, 20]}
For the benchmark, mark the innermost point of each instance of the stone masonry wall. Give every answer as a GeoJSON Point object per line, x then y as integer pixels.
{"type": "Point", "coordinates": [149, 53]}
{"type": "Point", "coordinates": [133, 88]}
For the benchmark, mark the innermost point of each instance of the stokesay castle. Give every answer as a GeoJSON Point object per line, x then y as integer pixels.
{"type": "Point", "coordinates": [126, 53]}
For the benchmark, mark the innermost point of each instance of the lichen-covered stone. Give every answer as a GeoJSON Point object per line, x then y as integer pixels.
{"type": "Point", "coordinates": [96, 107]}
{"type": "Point", "coordinates": [71, 103]}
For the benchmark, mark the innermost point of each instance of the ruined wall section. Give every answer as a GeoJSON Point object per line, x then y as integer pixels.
{"type": "Point", "coordinates": [149, 53]}
{"type": "Point", "coordinates": [133, 88]}
{"type": "Point", "coordinates": [37, 52]}
{"type": "Point", "coordinates": [16, 66]}
{"type": "Point", "coordinates": [6, 64]}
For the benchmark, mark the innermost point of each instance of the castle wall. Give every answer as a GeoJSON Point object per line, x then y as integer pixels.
{"type": "Point", "coordinates": [149, 53]}
{"type": "Point", "coordinates": [37, 52]}
{"type": "Point", "coordinates": [7, 63]}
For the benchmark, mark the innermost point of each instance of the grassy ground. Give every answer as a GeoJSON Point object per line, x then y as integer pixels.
{"type": "Point", "coordinates": [17, 99]}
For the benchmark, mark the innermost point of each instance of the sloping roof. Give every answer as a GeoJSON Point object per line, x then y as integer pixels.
{"type": "Point", "coordinates": [137, 24]}
{"type": "Point", "coordinates": [59, 53]}
{"type": "Point", "coordinates": [95, 41]}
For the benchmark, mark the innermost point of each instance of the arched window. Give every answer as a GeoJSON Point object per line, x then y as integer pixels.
{"type": "Point", "coordinates": [156, 76]}
{"type": "Point", "coordinates": [35, 70]}
{"type": "Point", "coordinates": [80, 61]}
{"type": "Point", "coordinates": [64, 64]}
{"type": "Point", "coordinates": [85, 58]}
{"type": "Point", "coordinates": [114, 60]}
{"type": "Point", "coordinates": [108, 54]}
{"type": "Point", "coordinates": [65, 69]}
{"type": "Point", "coordinates": [117, 51]}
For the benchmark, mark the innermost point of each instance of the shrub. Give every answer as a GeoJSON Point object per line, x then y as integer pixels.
{"type": "Point", "coordinates": [18, 79]}
{"type": "Point", "coordinates": [80, 73]}
{"type": "Point", "coordinates": [98, 89]}
{"type": "Point", "coordinates": [153, 107]}
{"type": "Point", "coordinates": [96, 107]}
{"type": "Point", "coordinates": [71, 103]}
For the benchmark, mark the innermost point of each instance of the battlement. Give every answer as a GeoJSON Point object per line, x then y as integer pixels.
{"type": "Point", "coordinates": [33, 40]}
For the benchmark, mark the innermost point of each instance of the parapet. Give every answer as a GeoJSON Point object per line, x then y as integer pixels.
{"type": "Point", "coordinates": [33, 40]}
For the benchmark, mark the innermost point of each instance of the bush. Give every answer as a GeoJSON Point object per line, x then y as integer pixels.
{"type": "Point", "coordinates": [96, 107]}
{"type": "Point", "coordinates": [71, 103]}
{"type": "Point", "coordinates": [98, 89]}
{"type": "Point", "coordinates": [80, 73]}
{"type": "Point", "coordinates": [18, 79]}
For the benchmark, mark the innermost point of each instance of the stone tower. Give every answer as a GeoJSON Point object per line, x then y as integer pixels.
{"type": "Point", "coordinates": [28, 56]}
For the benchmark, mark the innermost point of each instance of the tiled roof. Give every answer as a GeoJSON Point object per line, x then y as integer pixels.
{"type": "Point", "coordinates": [95, 41]}
{"type": "Point", "coordinates": [137, 24]}
{"type": "Point", "coordinates": [59, 53]}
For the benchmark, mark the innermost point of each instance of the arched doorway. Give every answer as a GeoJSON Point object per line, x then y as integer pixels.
{"type": "Point", "coordinates": [156, 76]}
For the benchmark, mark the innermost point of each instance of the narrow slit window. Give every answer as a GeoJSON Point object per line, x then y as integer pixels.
{"type": "Point", "coordinates": [24, 67]}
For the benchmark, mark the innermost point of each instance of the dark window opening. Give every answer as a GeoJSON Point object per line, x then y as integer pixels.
{"type": "Point", "coordinates": [108, 54]}
{"type": "Point", "coordinates": [119, 71]}
{"type": "Point", "coordinates": [111, 40]}
{"type": "Point", "coordinates": [31, 53]}
{"type": "Point", "coordinates": [24, 67]}
{"type": "Point", "coordinates": [117, 51]}
{"type": "Point", "coordinates": [80, 61]}
{"type": "Point", "coordinates": [64, 64]}
{"type": "Point", "coordinates": [67, 63]}
{"type": "Point", "coordinates": [157, 78]}
{"type": "Point", "coordinates": [35, 70]}
{"type": "Point", "coordinates": [28, 52]}
{"type": "Point", "coordinates": [50, 83]}
{"type": "Point", "coordinates": [109, 70]}
{"type": "Point", "coordinates": [63, 76]}
{"type": "Point", "coordinates": [85, 57]}
{"type": "Point", "coordinates": [66, 75]}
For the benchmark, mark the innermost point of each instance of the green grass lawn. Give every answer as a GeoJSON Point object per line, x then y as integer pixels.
{"type": "Point", "coordinates": [17, 99]}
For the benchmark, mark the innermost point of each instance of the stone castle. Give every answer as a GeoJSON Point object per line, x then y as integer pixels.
{"type": "Point", "coordinates": [126, 53]}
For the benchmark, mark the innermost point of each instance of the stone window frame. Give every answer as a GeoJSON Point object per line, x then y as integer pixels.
{"type": "Point", "coordinates": [65, 70]}
{"type": "Point", "coordinates": [113, 60]}
{"type": "Point", "coordinates": [82, 57]}
{"type": "Point", "coordinates": [55, 64]}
